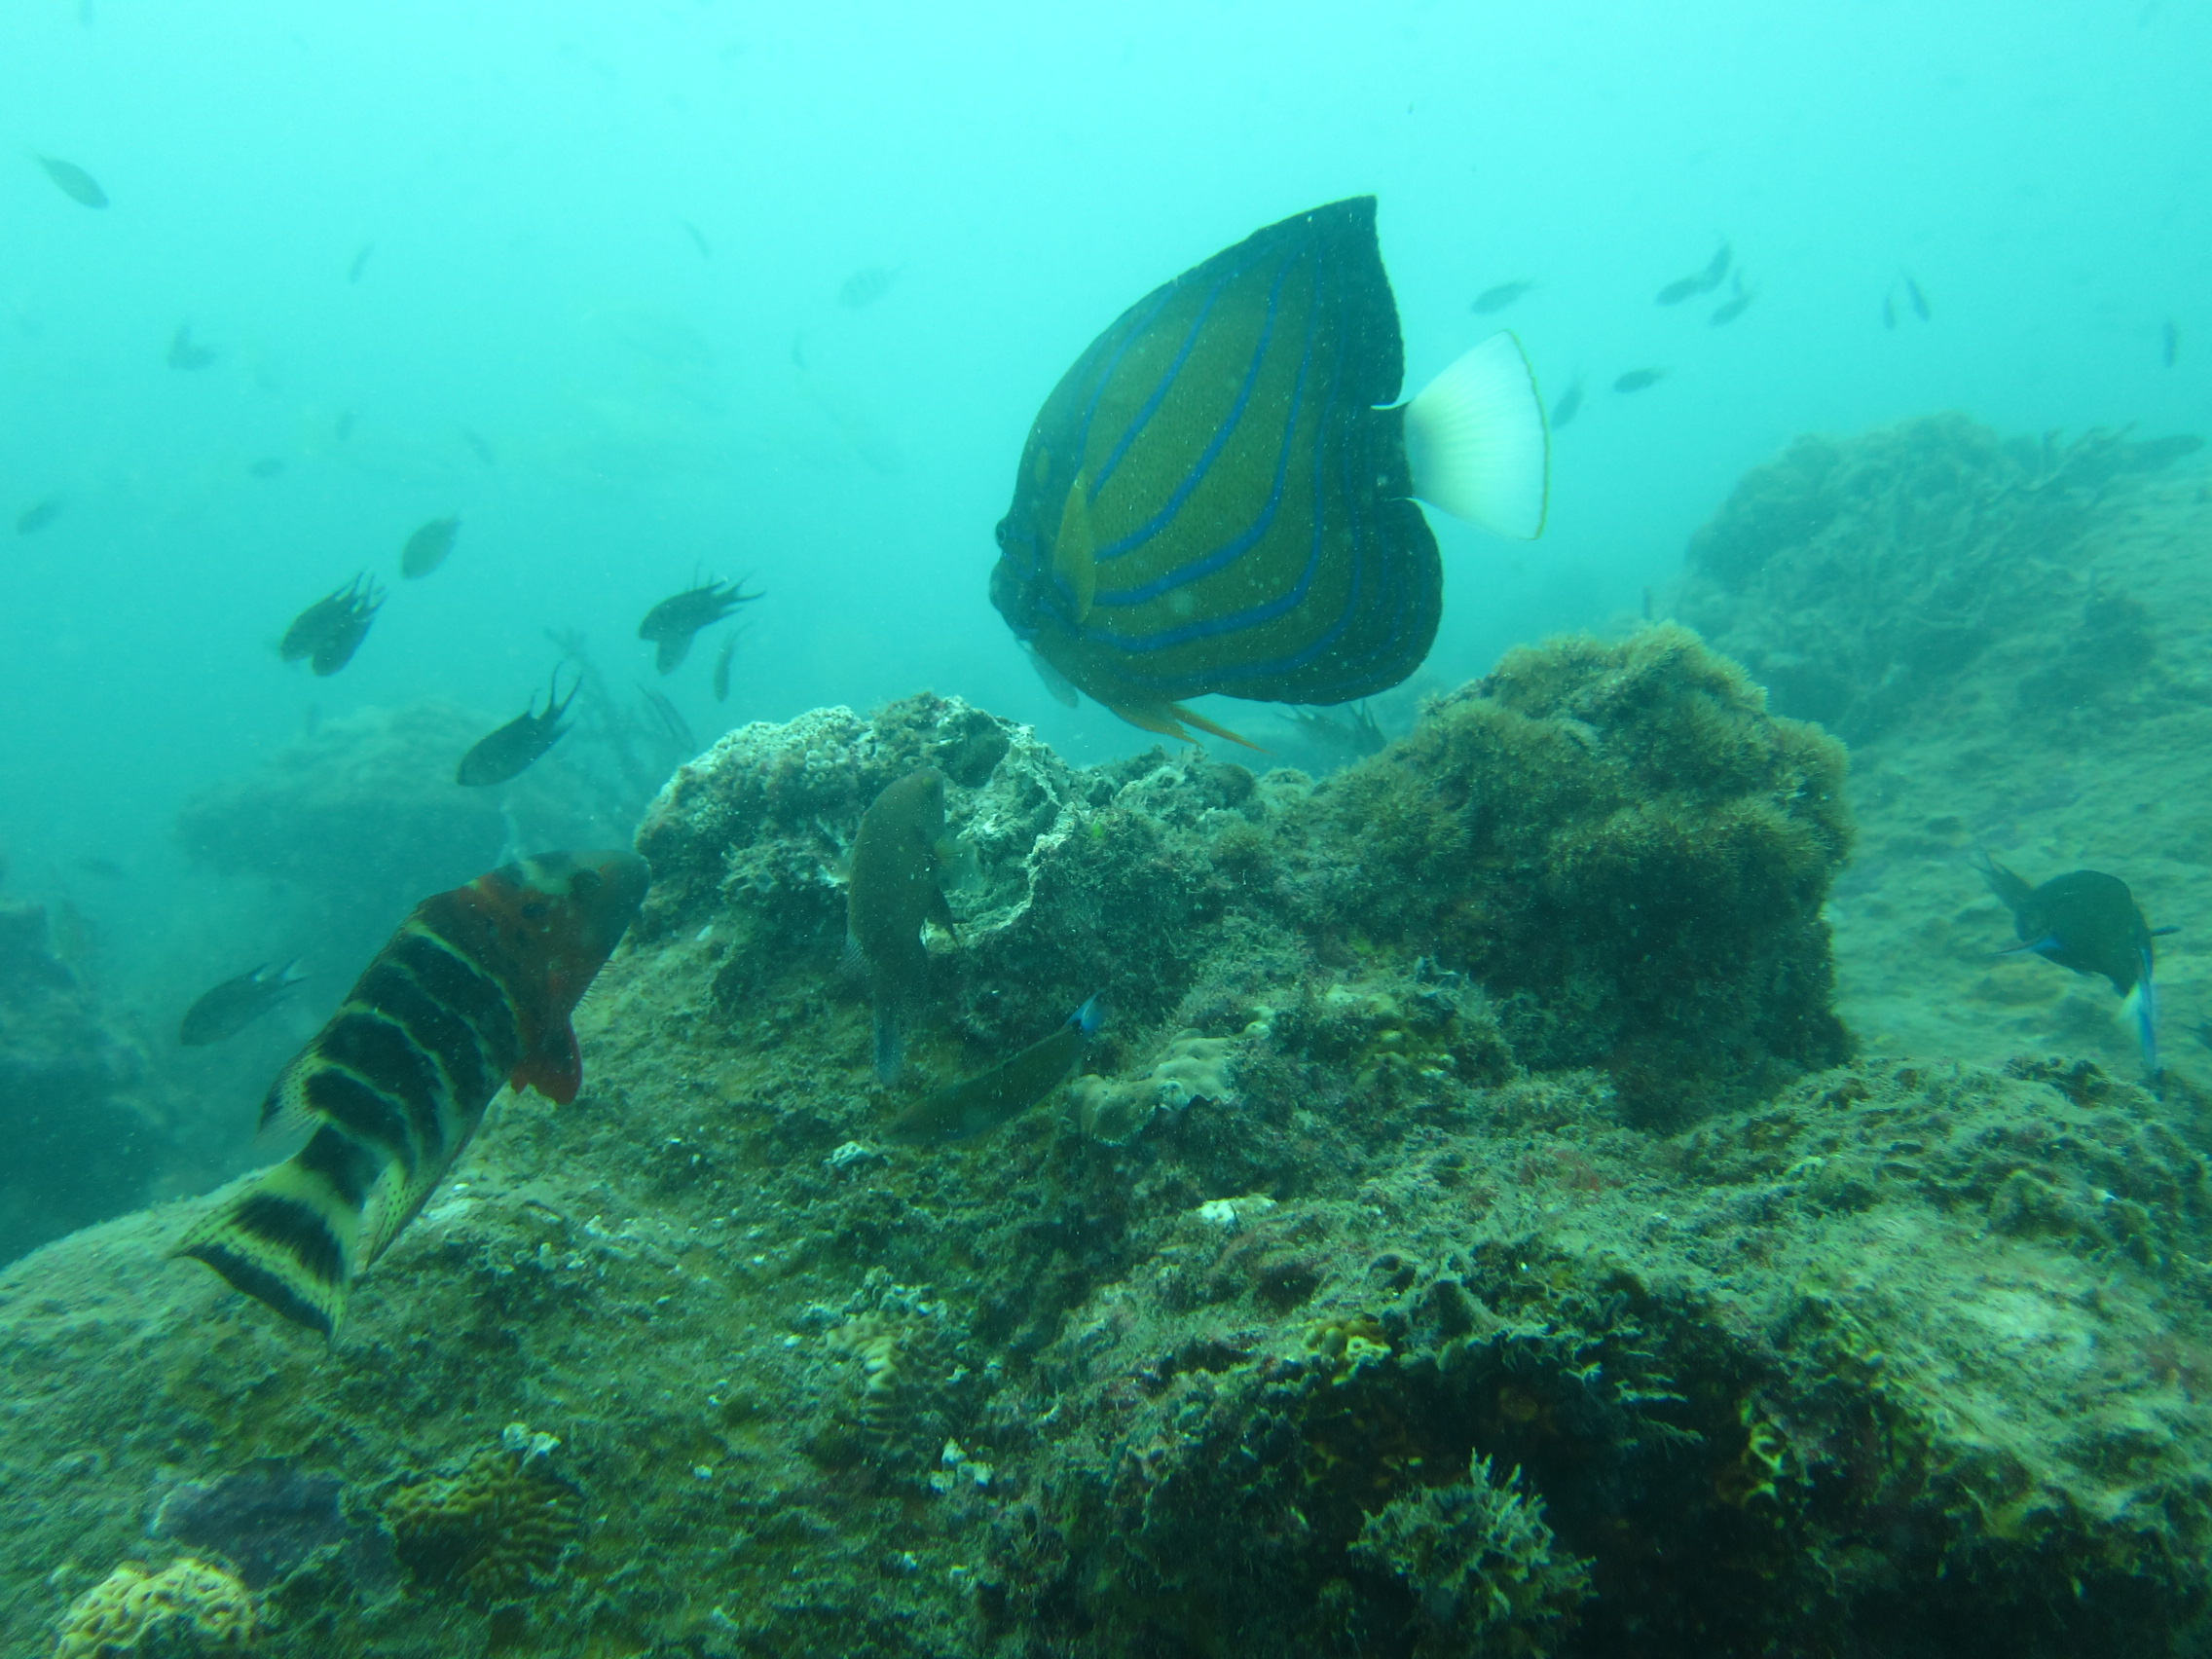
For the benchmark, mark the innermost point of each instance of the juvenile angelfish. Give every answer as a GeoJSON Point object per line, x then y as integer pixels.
{"type": "Point", "coordinates": [2088, 921]}
{"type": "Point", "coordinates": [901, 855]}
{"type": "Point", "coordinates": [474, 992]}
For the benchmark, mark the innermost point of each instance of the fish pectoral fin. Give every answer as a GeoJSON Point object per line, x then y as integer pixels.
{"type": "Point", "coordinates": [284, 1110]}
{"type": "Point", "coordinates": [555, 1068]}
{"type": "Point", "coordinates": [1075, 548]}
{"type": "Point", "coordinates": [1476, 442]}
{"type": "Point", "coordinates": [1167, 720]}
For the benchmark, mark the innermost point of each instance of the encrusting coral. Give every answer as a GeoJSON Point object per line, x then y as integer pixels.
{"type": "Point", "coordinates": [491, 1530]}
{"type": "Point", "coordinates": [190, 1610]}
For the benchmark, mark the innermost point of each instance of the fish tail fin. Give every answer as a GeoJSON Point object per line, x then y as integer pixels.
{"type": "Point", "coordinates": [1477, 444]}
{"type": "Point", "coordinates": [2142, 1006]}
{"type": "Point", "coordinates": [1091, 1016]}
{"type": "Point", "coordinates": [890, 1047]}
{"type": "Point", "coordinates": [289, 1240]}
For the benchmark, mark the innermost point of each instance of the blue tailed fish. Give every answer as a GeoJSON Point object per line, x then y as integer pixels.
{"type": "Point", "coordinates": [474, 992]}
{"type": "Point", "coordinates": [2088, 921]}
{"type": "Point", "coordinates": [1219, 496]}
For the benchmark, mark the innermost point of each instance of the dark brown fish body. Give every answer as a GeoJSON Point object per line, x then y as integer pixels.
{"type": "Point", "coordinates": [1637, 380]}
{"type": "Point", "coordinates": [74, 181]}
{"type": "Point", "coordinates": [979, 1104]}
{"type": "Point", "coordinates": [330, 631]}
{"type": "Point", "coordinates": [895, 885]}
{"type": "Point", "coordinates": [674, 621]}
{"type": "Point", "coordinates": [473, 993]}
{"type": "Point", "coordinates": [232, 1006]}
{"type": "Point", "coordinates": [428, 547]}
{"type": "Point", "coordinates": [517, 746]}
{"type": "Point", "coordinates": [1504, 294]}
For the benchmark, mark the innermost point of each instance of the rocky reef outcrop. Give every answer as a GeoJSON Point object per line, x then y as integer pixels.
{"type": "Point", "coordinates": [82, 1139]}
{"type": "Point", "coordinates": [1471, 1235]}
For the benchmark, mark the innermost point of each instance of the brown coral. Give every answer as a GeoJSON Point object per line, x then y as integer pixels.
{"type": "Point", "coordinates": [491, 1530]}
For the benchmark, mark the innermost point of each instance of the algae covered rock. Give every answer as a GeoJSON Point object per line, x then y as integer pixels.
{"type": "Point", "coordinates": [1624, 849]}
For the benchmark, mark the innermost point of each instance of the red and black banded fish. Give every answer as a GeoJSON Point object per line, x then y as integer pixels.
{"type": "Point", "coordinates": [1212, 500]}
{"type": "Point", "coordinates": [474, 992]}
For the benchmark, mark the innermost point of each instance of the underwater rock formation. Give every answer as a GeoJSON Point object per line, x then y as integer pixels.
{"type": "Point", "coordinates": [1852, 577]}
{"type": "Point", "coordinates": [82, 1144]}
{"type": "Point", "coordinates": [1480, 1260]}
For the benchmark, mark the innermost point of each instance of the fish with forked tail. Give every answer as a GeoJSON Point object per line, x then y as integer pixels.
{"type": "Point", "coordinates": [2088, 921]}
{"type": "Point", "coordinates": [900, 857]}
{"type": "Point", "coordinates": [521, 743]}
{"type": "Point", "coordinates": [979, 1104]}
{"type": "Point", "coordinates": [236, 1004]}
{"type": "Point", "coordinates": [331, 630]}
{"type": "Point", "coordinates": [474, 991]}
{"type": "Point", "coordinates": [676, 620]}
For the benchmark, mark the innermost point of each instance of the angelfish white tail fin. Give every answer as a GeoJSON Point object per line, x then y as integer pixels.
{"type": "Point", "coordinates": [1476, 441]}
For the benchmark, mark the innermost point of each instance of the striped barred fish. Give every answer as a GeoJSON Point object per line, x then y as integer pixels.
{"type": "Point", "coordinates": [474, 991]}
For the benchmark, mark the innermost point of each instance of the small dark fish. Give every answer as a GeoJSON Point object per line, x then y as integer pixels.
{"type": "Point", "coordinates": [479, 448]}
{"type": "Point", "coordinates": [1504, 294]}
{"type": "Point", "coordinates": [2169, 342]}
{"type": "Point", "coordinates": [1680, 289]}
{"type": "Point", "coordinates": [184, 354]}
{"type": "Point", "coordinates": [1889, 309]}
{"type": "Point", "coordinates": [673, 623]}
{"type": "Point", "coordinates": [521, 743]}
{"type": "Point", "coordinates": [361, 262]}
{"type": "Point", "coordinates": [1343, 737]}
{"type": "Point", "coordinates": [428, 547]}
{"type": "Point", "coordinates": [236, 1004]}
{"type": "Point", "coordinates": [267, 468]}
{"type": "Point", "coordinates": [1697, 282]}
{"type": "Point", "coordinates": [107, 869]}
{"type": "Point", "coordinates": [1715, 268]}
{"type": "Point", "coordinates": [722, 667]}
{"type": "Point", "coordinates": [977, 1105]}
{"type": "Point", "coordinates": [894, 884]}
{"type": "Point", "coordinates": [74, 181]}
{"type": "Point", "coordinates": [474, 992]}
{"type": "Point", "coordinates": [867, 285]}
{"type": "Point", "coordinates": [331, 628]}
{"type": "Point", "coordinates": [1734, 306]}
{"type": "Point", "coordinates": [38, 515]}
{"type": "Point", "coordinates": [2090, 922]}
{"type": "Point", "coordinates": [1919, 300]}
{"type": "Point", "coordinates": [1637, 380]}
{"type": "Point", "coordinates": [698, 238]}
{"type": "Point", "coordinates": [1568, 406]}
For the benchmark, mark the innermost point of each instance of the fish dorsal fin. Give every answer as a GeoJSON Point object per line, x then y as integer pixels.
{"type": "Point", "coordinates": [1476, 442]}
{"type": "Point", "coordinates": [1075, 549]}
{"type": "Point", "coordinates": [554, 1067]}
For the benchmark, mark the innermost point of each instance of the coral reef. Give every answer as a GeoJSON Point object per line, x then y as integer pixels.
{"type": "Point", "coordinates": [1493, 1248]}
{"type": "Point", "coordinates": [83, 1141]}
{"type": "Point", "coordinates": [493, 1530]}
{"type": "Point", "coordinates": [190, 1610]}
